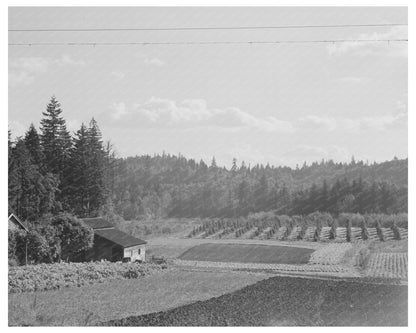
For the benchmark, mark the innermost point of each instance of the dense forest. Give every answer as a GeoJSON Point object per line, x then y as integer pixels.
{"type": "Point", "coordinates": [51, 171]}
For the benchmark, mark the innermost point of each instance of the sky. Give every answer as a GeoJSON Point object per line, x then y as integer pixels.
{"type": "Point", "coordinates": [282, 104]}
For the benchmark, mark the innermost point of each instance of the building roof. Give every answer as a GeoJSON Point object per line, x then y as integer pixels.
{"type": "Point", "coordinates": [119, 237]}
{"type": "Point", "coordinates": [97, 223]}
{"type": "Point", "coordinates": [14, 219]}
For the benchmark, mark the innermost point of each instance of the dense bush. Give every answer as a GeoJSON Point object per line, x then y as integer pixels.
{"type": "Point", "coordinates": [379, 231]}
{"type": "Point", "coordinates": [57, 237]}
{"type": "Point", "coordinates": [333, 230]}
{"type": "Point", "coordinates": [27, 247]}
{"type": "Point", "coordinates": [396, 232]}
{"type": "Point", "coordinates": [364, 230]}
{"type": "Point", "coordinates": [59, 275]}
{"type": "Point", "coordinates": [349, 233]}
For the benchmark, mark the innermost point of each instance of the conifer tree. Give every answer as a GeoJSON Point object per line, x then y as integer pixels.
{"type": "Point", "coordinates": [56, 140]}
{"type": "Point", "coordinates": [32, 142]}
{"type": "Point", "coordinates": [56, 143]}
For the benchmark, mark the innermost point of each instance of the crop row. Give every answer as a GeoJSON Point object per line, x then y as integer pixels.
{"type": "Point", "coordinates": [388, 265]}
{"type": "Point", "coordinates": [316, 226]}
{"type": "Point", "coordinates": [307, 233]}
{"type": "Point", "coordinates": [60, 275]}
{"type": "Point", "coordinates": [331, 254]}
{"type": "Point", "coordinates": [307, 268]}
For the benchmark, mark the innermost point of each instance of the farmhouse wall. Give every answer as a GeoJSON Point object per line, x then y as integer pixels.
{"type": "Point", "coordinates": [137, 252]}
{"type": "Point", "coordinates": [104, 249]}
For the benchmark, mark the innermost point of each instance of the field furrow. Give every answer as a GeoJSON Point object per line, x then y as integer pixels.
{"type": "Point", "coordinates": [388, 265]}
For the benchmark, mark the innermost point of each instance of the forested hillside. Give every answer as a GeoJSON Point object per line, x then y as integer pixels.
{"type": "Point", "coordinates": [165, 185]}
{"type": "Point", "coordinates": [52, 171]}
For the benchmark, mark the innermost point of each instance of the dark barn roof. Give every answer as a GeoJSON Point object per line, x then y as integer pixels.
{"type": "Point", "coordinates": [97, 223]}
{"type": "Point", "coordinates": [119, 237]}
{"type": "Point", "coordinates": [14, 219]}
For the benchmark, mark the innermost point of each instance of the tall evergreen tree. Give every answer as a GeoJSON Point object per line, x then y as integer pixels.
{"type": "Point", "coordinates": [32, 142]}
{"type": "Point", "coordinates": [97, 166]}
{"type": "Point", "coordinates": [55, 138]}
{"type": "Point", "coordinates": [56, 143]}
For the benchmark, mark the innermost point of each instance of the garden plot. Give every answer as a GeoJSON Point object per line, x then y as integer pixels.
{"type": "Point", "coordinates": [338, 270]}
{"type": "Point", "coordinates": [325, 232]}
{"type": "Point", "coordinates": [248, 253]}
{"type": "Point", "coordinates": [388, 265]}
{"type": "Point", "coordinates": [388, 234]}
{"type": "Point", "coordinates": [310, 231]}
{"type": "Point", "coordinates": [403, 233]}
{"type": "Point", "coordinates": [331, 254]}
{"type": "Point", "coordinates": [356, 233]}
{"type": "Point", "coordinates": [372, 234]}
{"type": "Point", "coordinates": [341, 234]}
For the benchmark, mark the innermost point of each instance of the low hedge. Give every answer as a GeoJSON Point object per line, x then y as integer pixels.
{"type": "Point", "coordinates": [60, 275]}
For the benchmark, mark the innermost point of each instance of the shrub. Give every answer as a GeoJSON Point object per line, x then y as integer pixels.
{"type": "Point", "coordinates": [167, 230]}
{"type": "Point", "coordinates": [333, 230]}
{"type": "Point", "coordinates": [396, 232]}
{"type": "Point", "coordinates": [379, 231]}
{"type": "Point", "coordinates": [364, 230]}
{"type": "Point", "coordinates": [317, 234]}
{"type": "Point", "coordinates": [60, 275]}
{"type": "Point", "coordinates": [349, 234]}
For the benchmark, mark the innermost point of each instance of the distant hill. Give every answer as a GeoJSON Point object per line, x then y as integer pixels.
{"type": "Point", "coordinates": [168, 185]}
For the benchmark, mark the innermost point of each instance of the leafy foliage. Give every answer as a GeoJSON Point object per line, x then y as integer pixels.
{"type": "Point", "coordinates": [55, 276]}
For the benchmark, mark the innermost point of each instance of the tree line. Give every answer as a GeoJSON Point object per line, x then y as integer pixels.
{"type": "Point", "coordinates": [173, 186]}
{"type": "Point", "coordinates": [52, 171]}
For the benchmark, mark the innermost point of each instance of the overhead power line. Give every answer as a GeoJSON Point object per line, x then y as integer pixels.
{"type": "Point", "coordinates": [213, 28]}
{"type": "Point", "coordinates": [323, 41]}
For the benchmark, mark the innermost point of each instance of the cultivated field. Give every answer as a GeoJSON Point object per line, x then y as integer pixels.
{"type": "Point", "coordinates": [314, 227]}
{"type": "Point", "coordinates": [289, 301]}
{"type": "Point", "coordinates": [248, 253]}
{"type": "Point", "coordinates": [89, 305]}
{"type": "Point", "coordinates": [172, 247]}
{"type": "Point", "coordinates": [388, 265]}
{"type": "Point", "coordinates": [236, 263]}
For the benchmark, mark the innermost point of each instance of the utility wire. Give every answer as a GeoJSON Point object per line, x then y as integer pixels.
{"type": "Point", "coordinates": [213, 28]}
{"type": "Point", "coordinates": [323, 41]}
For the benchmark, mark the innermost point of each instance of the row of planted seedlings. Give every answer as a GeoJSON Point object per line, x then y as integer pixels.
{"type": "Point", "coordinates": [282, 227]}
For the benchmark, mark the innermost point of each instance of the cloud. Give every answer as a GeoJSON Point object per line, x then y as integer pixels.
{"type": "Point", "coordinates": [67, 60]}
{"type": "Point", "coordinates": [22, 71]}
{"type": "Point", "coordinates": [302, 152]}
{"type": "Point", "coordinates": [318, 123]}
{"type": "Point", "coordinates": [397, 49]}
{"type": "Point", "coordinates": [16, 128]}
{"type": "Point", "coordinates": [119, 110]}
{"type": "Point", "coordinates": [118, 75]}
{"type": "Point", "coordinates": [20, 78]}
{"type": "Point", "coordinates": [191, 113]}
{"type": "Point", "coordinates": [396, 119]}
{"type": "Point", "coordinates": [154, 62]}
{"type": "Point", "coordinates": [353, 79]}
